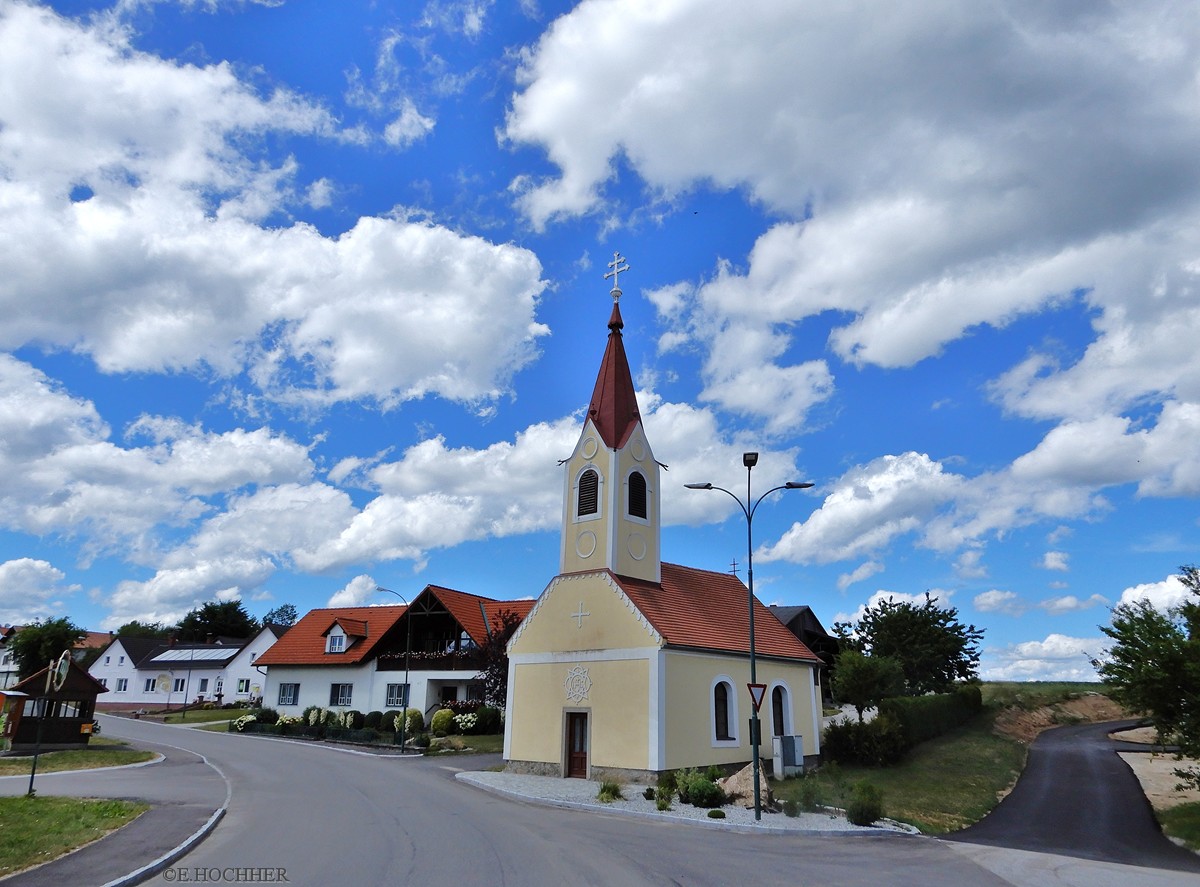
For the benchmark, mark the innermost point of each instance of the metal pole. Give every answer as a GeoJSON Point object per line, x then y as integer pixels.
{"type": "Point", "coordinates": [407, 685]}
{"type": "Point", "coordinates": [755, 729]}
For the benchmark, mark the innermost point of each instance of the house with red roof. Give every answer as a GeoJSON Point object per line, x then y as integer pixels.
{"type": "Point", "coordinates": [391, 657]}
{"type": "Point", "coordinates": [627, 665]}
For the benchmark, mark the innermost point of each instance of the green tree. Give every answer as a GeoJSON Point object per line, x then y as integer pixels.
{"type": "Point", "coordinates": [284, 614]}
{"type": "Point", "coordinates": [494, 653]}
{"type": "Point", "coordinates": [228, 619]}
{"type": "Point", "coordinates": [933, 648]}
{"type": "Point", "coordinates": [35, 645]}
{"type": "Point", "coordinates": [864, 681]}
{"type": "Point", "coordinates": [135, 629]}
{"type": "Point", "coordinates": [1153, 666]}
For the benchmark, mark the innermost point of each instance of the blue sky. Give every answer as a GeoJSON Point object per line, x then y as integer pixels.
{"type": "Point", "coordinates": [303, 298]}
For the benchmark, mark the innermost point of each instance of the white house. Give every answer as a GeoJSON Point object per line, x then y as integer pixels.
{"type": "Point", "coordinates": [150, 672]}
{"type": "Point", "coordinates": [379, 658]}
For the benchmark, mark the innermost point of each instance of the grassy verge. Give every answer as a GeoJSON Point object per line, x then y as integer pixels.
{"type": "Point", "coordinates": [100, 753]}
{"type": "Point", "coordinates": [1033, 694]}
{"type": "Point", "coordinates": [193, 716]}
{"type": "Point", "coordinates": [1182, 822]}
{"type": "Point", "coordinates": [485, 744]}
{"type": "Point", "coordinates": [943, 785]}
{"type": "Point", "coordinates": [36, 830]}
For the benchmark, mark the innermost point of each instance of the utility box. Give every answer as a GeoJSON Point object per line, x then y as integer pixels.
{"type": "Point", "coordinates": [788, 755]}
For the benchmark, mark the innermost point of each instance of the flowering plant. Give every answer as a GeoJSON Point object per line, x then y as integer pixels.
{"type": "Point", "coordinates": [240, 723]}
{"type": "Point", "coordinates": [465, 723]}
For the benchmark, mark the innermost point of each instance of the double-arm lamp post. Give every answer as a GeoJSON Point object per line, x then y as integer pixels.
{"type": "Point", "coordinates": [407, 656]}
{"type": "Point", "coordinates": [748, 509]}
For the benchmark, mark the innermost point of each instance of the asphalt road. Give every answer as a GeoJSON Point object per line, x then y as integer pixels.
{"type": "Point", "coordinates": [1076, 797]}
{"type": "Point", "coordinates": [319, 816]}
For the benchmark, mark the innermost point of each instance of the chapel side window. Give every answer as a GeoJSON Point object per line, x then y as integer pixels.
{"type": "Point", "coordinates": [637, 495]}
{"type": "Point", "coordinates": [778, 711]}
{"type": "Point", "coordinates": [589, 494]}
{"type": "Point", "coordinates": [721, 711]}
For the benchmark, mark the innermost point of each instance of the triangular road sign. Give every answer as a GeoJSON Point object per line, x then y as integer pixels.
{"type": "Point", "coordinates": [757, 692]}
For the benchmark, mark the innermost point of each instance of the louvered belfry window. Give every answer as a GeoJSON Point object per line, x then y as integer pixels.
{"type": "Point", "coordinates": [589, 493]}
{"type": "Point", "coordinates": [637, 495]}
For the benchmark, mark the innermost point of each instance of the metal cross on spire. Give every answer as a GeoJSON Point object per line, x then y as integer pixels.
{"type": "Point", "coordinates": [618, 264]}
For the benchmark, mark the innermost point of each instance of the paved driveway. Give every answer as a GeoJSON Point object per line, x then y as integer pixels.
{"type": "Point", "coordinates": [1076, 797]}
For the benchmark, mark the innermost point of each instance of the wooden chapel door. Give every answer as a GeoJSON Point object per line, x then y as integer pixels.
{"type": "Point", "coordinates": [577, 749]}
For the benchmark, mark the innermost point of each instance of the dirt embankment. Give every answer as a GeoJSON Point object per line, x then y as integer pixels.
{"type": "Point", "coordinates": [1024, 725]}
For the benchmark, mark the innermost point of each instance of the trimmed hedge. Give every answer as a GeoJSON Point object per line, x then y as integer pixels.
{"type": "Point", "coordinates": [924, 717]}
{"type": "Point", "coordinates": [876, 743]}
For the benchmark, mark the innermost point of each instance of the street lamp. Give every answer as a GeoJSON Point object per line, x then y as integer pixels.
{"type": "Point", "coordinates": [407, 655]}
{"type": "Point", "coordinates": [750, 460]}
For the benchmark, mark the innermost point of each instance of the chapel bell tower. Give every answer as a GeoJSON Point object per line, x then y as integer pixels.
{"type": "Point", "coordinates": [611, 517]}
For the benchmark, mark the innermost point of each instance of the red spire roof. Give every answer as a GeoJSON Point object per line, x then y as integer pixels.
{"type": "Point", "coordinates": [614, 406]}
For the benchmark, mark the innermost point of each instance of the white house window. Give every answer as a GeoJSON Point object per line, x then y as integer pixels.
{"type": "Point", "coordinates": [107, 660]}
{"type": "Point", "coordinates": [104, 682]}
{"type": "Point", "coordinates": [589, 493]}
{"type": "Point", "coordinates": [340, 694]}
{"type": "Point", "coordinates": [336, 644]}
{"type": "Point", "coordinates": [120, 660]}
{"type": "Point", "coordinates": [203, 685]}
{"type": "Point", "coordinates": [723, 713]}
{"type": "Point", "coordinates": [177, 686]}
{"type": "Point", "coordinates": [149, 686]}
{"type": "Point", "coordinates": [253, 656]}
{"type": "Point", "coordinates": [397, 696]}
{"type": "Point", "coordinates": [243, 685]}
{"type": "Point", "coordinates": [288, 694]}
{"type": "Point", "coordinates": [637, 495]}
{"type": "Point", "coordinates": [122, 684]}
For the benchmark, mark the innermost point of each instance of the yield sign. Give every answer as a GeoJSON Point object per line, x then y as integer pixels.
{"type": "Point", "coordinates": [757, 692]}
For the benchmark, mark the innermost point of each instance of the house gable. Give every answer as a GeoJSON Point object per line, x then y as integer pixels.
{"type": "Point", "coordinates": [583, 611]}
{"type": "Point", "coordinates": [306, 642]}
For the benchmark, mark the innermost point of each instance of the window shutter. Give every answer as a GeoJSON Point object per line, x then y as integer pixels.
{"type": "Point", "coordinates": [637, 495]}
{"type": "Point", "coordinates": [589, 492]}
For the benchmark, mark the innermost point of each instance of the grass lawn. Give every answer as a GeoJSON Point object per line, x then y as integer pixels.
{"type": "Point", "coordinates": [1182, 822]}
{"type": "Point", "coordinates": [100, 752]}
{"type": "Point", "coordinates": [1033, 694]}
{"type": "Point", "coordinates": [943, 785]}
{"type": "Point", "coordinates": [36, 830]}
{"type": "Point", "coordinates": [483, 744]}
{"type": "Point", "coordinates": [197, 716]}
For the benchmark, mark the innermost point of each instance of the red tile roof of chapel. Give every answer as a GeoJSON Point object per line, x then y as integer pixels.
{"type": "Point", "coordinates": [707, 610]}
{"type": "Point", "coordinates": [304, 643]}
{"type": "Point", "coordinates": [614, 406]}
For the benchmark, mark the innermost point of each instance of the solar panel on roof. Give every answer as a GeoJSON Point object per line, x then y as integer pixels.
{"type": "Point", "coordinates": [195, 655]}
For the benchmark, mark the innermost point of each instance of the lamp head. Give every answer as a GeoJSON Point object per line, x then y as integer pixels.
{"type": "Point", "coordinates": [699, 486]}
{"type": "Point", "coordinates": [795, 485]}
{"type": "Point", "coordinates": [749, 459]}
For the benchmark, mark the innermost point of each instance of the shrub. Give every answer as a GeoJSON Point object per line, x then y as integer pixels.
{"type": "Point", "coordinates": [416, 721]}
{"type": "Point", "coordinates": [442, 723]}
{"type": "Point", "coordinates": [389, 721]}
{"type": "Point", "coordinates": [648, 794]}
{"type": "Point", "coordinates": [266, 716]}
{"type": "Point", "coordinates": [663, 795]}
{"type": "Point", "coordinates": [713, 773]}
{"type": "Point", "coordinates": [466, 724]}
{"type": "Point", "coordinates": [703, 793]}
{"type": "Point", "coordinates": [716, 814]}
{"type": "Point", "coordinates": [352, 720]}
{"type": "Point", "coordinates": [662, 803]}
{"type": "Point", "coordinates": [610, 791]}
{"type": "Point", "coordinates": [668, 782]}
{"type": "Point", "coordinates": [490, 720]}
{"type": "Point", "coordinates": [791, 808]}
{"type": "Point", "coordinates": [809, 795]}
{"type": "Point", "coordinates": [924, 717]}
{"type": "Point", "coordinates": [240, 723]}
{"type": "Point", "coordinates": [421, 740]}
{"type": "Point", "coordinates": [372, 720]}
{"type": "Point", "coordinates": [866, 804]}
{"type": "Point", "coordinates": [877, 743]}
{"type": "Point", "coordinates": [683, 783]}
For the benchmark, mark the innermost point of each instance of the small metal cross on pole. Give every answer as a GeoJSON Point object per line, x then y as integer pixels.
{"type": "Point", "coordinates": [618, 264]}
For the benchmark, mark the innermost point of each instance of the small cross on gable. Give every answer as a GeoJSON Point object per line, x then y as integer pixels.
{"type": "Point", "coordinates": [578, 616]}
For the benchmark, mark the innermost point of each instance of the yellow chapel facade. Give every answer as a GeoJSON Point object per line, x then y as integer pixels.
{"type": "Point", "coordinates": [627, 665]}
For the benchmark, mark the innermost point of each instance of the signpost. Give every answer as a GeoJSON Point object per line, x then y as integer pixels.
{"type": "Point", "coordinates": [56, 677]}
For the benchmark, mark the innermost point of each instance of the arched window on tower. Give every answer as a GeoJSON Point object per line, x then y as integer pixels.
{"type": "Point", "coordinates": [589, 493]}
{"type": "Point", "coordinates": [637, 495]}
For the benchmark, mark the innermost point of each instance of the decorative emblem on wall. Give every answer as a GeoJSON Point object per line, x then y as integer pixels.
{"type": "Point", "coordinates": [585, 543]}
{"type": "Point", "coordinates": [578, 615]}
{"type": "Point", "coordinates": [578, 684]}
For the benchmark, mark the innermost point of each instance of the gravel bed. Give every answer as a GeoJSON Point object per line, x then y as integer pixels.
{"type": "Point", "coordinates": [580, 794]}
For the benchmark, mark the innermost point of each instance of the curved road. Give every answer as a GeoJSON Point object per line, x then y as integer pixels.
{"type": "Point", "coordinates": [324, 816]}
{"type": "Point", "coordinates": [1076, 797]}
